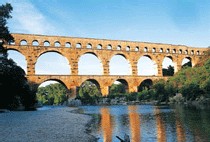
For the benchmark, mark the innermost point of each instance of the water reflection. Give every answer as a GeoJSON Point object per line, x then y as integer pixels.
{"type": "Point", "coordinates": [106, 124]}
{"type": "Point", "coordinates": [134, 120]}
{"type": "Point", "coordinates": [161, 133]}
{"type": "Point", "coordinates": [147, 123]}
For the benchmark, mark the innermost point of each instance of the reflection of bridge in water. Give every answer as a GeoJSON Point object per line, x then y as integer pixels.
{"type": "Point", "coordinates": [33, 46]}
{"type": "Point", "coordinates": [136, 126]}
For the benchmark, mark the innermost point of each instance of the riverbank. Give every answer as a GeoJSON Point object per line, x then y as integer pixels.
{"type": "Point", "coordinates": [56, 124]}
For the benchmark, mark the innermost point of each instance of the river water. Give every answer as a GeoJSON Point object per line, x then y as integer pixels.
{"type": "Point", "coordinates": [148, 123]}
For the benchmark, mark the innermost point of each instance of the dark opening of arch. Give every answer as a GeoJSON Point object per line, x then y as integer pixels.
{"type": "Point", "coordinates": [145, 85]}
{"type": "Point", "coordinates": [119, 87]}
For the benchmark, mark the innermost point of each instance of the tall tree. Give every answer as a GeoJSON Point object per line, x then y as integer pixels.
{"type": "Point", "coordinates": [5, 11]}
{"type": "Point", "coordinates": [14, 86]}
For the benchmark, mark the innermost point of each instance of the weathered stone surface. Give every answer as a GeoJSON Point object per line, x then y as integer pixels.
{"type": "Point", "coordinates": [25, 44]}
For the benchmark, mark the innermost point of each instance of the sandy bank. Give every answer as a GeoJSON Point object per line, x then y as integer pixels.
{"type": "Point", "coordinates": [51, 125]}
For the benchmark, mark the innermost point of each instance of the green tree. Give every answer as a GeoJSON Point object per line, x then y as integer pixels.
{"type": "Point", "coordinates": [14, 85]}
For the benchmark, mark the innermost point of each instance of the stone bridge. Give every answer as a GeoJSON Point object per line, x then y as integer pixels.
{"type": "Point", "coordinates": [33, 46]}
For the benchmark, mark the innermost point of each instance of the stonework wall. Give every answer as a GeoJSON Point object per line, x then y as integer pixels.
{"type": "Point", "coordinates": [33, 46]}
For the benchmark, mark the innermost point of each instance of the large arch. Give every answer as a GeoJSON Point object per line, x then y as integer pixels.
{"type": "Point", "coordinates": [18, 58]}
{"type": "Point", "coordinates": [89, 64]}
{"type": "Point", "coordinates": [119, 65]}
{"type": "Point", "coordinates": [52, 62]}
{"type": "Point", "coordinates": [145, 84]}
{"type": "Point", "coordinates": [187, 62]}
{"type": "Point", "coordinates": [146, 66]}
{"type": "Point", "coordinates": [168, 66]}
{"type": "Point", "coordinates": [90, 87]}
{"type": "Point", "coordinates": [52, 91]}
{"type": "Point", "coordinates": [119, 85]}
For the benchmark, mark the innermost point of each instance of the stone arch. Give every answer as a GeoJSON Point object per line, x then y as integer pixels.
{"type": "Point", "coordinates": [78, 45]}
{"type": "Point", "coordinates": [168, 66]}
{"type": "Point", "coordinates": [89, 46]}
{"type": "Point", "coordinates": [119, 47]}
{"type": "Point", "coordinates": [68, 44]}
{"type": "Point", "coordinates": [95, 83]}
{"type": "Point", "coordinates": [187, 62]}
{"type": "Point", "coordinates": [161, 50]}
{"type": "Point", "coordinates": [145, 49]}
{"type": "Point", "coordinates": [145, 84]}
{"type": "Point", "coordinates": [46, 43]}
{"type": "Point", "coordinates": [124, 83]}
{"type": "Point", "coordinates": [52, 61]}
{"type": "Point", "coordinates": [109, 47]}
{"type": "Point", "coordinates": [99, 46]}
{"type": "Point", "coordinates": [119, 62]}
{"type": "Point", "coordinates": [90, 64]}
{"type": "Point", "coordinates": [128, 48]}
{"type": "Point", "coordinates": [23, 42]}
{"type": "Point", "coordinates": [57, 44]}
{"type": "Point", "coordinates": [18, 57]}
{"type": "Point", "coordinates": [35, 43]}
{"type": "Point", "coordinates": [53, 79]}
{"type": "Point", "coordinates": [147, 66]}
{"type": "Point", "coordinates": [136, 48]}
{"type": "Point", "coordinates": [154, 50]}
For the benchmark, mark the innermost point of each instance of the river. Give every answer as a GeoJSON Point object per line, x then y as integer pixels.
{"type": "Point", "coordinates": [148, 123]}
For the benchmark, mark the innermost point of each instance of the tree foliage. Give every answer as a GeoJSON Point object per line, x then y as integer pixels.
{"type": "Point", "coordinates": [53, 94]}
{"type": "Point", "coordinates": [5, 14]}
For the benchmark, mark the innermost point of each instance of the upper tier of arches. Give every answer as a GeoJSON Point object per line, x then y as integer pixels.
{"type": "Point", "coordinates": [103, 44]}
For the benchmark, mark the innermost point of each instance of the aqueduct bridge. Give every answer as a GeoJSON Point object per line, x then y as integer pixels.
{"type": "Point", "coordinates": [33, 46]}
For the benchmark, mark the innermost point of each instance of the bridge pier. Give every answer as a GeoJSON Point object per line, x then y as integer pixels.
{"type": "Point", "coordinates": [105, 90]}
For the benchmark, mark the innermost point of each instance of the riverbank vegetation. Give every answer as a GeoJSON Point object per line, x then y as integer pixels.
{"type": "Point", "coordinates": [15, 89]}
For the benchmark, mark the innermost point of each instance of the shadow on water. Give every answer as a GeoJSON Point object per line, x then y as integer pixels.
{"type": "Point", "coordinates": [148, 123]}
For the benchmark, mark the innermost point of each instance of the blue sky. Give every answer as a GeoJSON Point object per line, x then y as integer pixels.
{"type": "Point", "coordinates": [185, 22]}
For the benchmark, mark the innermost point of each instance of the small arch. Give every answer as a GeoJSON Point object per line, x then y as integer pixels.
{"type": "Point", "coordinates": [167, 50]}
{"type": "Point", "coordinates": [78, 45]}
{"type": "Point", "coordinates": [145, 49]}
{"type": "Point", "coordinates": [99, 46]}
{"type": "Point", "coordinates": [109, 47]}
{"type": "Point", "coordinates": [23, 42]}
{"type": "Point", "coordinates": [192, 52]}
{"type": "Point", "coordinates": [180, 51]}
{"type": "Point", "coordinates": [153, 50]}
{"type": "Point", "coordinates": [186, 52]}
{"type": "Point", "coordinates": [118, 47]}
{"type": "Point", "coordinates": [46, 43]}
{"type": "Point", "coordinates": [89, 46]}
{"type": "Point", "coordinates": [198, 52]}
{"type": "Point", "coordinates": [35, 43]}
{"type": "Point", "coordinates": [174, 51]}
{"type": "Point", "coordinates": [137, 48]}
{"type": "Point", "coordinates": [11, 42]}
{"type": "Point", "coordinates": [128, 48]}
{"type": "Point", "coordinates": [57, 44]}
{"type": "Point", "coordinates": [68, 44]}
{"type": "Point", "coordinates": [145, 85]}
{"type": "Point", "coordinates": [161, 50]}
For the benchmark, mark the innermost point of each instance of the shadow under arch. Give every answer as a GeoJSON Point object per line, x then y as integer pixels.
{"type": "Point", "coordinates": [145, 85]}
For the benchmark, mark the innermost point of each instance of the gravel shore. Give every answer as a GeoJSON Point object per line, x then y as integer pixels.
{"type": "Point", "coordinates": [57, 124]}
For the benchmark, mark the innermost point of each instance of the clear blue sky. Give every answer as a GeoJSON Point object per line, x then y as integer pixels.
{"type": "Point", "coordinates": [162, 21]}
{"type": "Point", "coordinates": [185, 22]}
